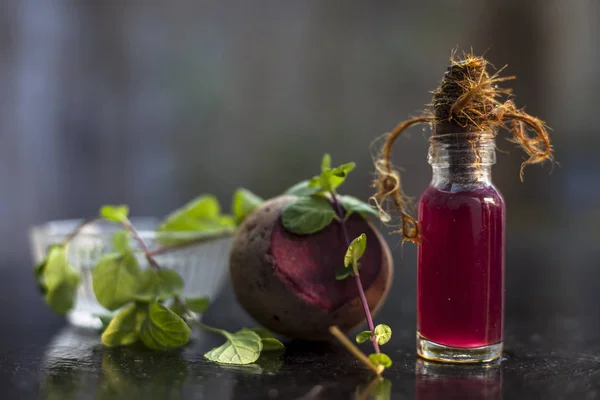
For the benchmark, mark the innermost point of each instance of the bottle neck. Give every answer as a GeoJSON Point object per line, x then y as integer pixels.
{"type": "Point", "coordinates": [462, 159]}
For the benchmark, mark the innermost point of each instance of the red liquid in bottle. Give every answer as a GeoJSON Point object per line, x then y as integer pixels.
{"type": "Point", "coordinates": [460, 288]}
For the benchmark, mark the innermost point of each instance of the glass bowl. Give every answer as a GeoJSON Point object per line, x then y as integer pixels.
{"type": "Point", "coordinates": [201, 260]}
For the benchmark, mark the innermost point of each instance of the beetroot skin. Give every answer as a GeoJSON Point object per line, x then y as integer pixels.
{"type": "Point", "coordinates": [287, 281]}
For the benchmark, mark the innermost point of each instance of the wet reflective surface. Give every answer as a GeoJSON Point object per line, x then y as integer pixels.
{"type": "Point", "coordinates": [552, 344]}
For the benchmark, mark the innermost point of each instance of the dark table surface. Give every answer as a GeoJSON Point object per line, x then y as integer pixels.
{"type": "Point", "coordinates": [552, 342]}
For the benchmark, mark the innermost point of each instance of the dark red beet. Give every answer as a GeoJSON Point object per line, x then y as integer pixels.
{"type": "Point", "coordinates": [287, 281]}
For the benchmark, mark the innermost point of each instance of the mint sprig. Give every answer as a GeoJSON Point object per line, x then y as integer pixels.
{"type": "Point", "coordinates": [140, 296]}
{"type": "Point", "coordinates": [318, 205]}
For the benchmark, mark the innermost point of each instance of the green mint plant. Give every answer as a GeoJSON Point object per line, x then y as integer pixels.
{"type": "Point", "coordinates": [318, 204]}
{"type": "Point", "coordinates": [150, 306]}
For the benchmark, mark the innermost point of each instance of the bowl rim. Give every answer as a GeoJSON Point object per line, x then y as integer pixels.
{"type": "Point", "coordinates": [60, 228]}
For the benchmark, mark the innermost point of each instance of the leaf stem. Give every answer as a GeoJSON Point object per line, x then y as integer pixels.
{"type": "Point", "coordinates": [166, 249]}
{"type": "Point", "coordinates": [206, 327]}
{"type": "Point", "coordinates": [363, 299]}
{"type": "Point", "coordinates": [354, 350]}
{"type": "Point", "coordinates": [79, 228]}
{"type": "Point", "coordinates": [151, 260]}
{"type": "Point", "coordinates": [127, 225]}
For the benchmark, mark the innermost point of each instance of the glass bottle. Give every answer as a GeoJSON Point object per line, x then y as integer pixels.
{"type": "Point", "coordinates": [460, 276]}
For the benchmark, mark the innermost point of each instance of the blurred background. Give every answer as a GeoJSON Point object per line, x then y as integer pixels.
{"type": "Point", "coordinates": [151, 103]}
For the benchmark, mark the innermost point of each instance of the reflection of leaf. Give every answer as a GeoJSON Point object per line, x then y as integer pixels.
{"type": "Point", "coordinates": [270, 362]}
{"type": "Point", "coordinates": [60, 384]}
{"type": "Point", "coordinates": [133, 374]}
{"type": "Point", "coordinates": [378, 389]}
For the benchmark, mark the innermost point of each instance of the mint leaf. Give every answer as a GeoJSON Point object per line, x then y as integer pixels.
{"type": "Point", "coordinates": [241, 347]}
{"type": "Point", "coordinates": [383, 333]}
{"type": "Point", "coordinates": [264, 333]}
{"type": "Point", "coordinates": [199, 305]}
{"type": "Point", "coordinates": [178, 308]}
{"type": "Point", "coordinates": [203, 214]}
{"type": "Point", "coordinates": [59, 280]}
{"type": "Point", "coordinates": [115, 213]}
{"type": "Point", "coordinates": [115, 279]}
{"type": "Point", "coordinates": [163, 329]}
{"type": "Point", "coordinates": [244, 203]}
{"type": "Point", "coordinates": [331, 179]}
{"type": "Point", "coordinates": [326, 162]}
{"type": "Point", "coordinates": [123, 329]}
{"type": "Point", "coordinates": [380, 359]}
{"type": "Point", "coordinates": [343, 274]}
{"type": "Point", "coordinates": [270, 343]}
{"type": "Point", "coordinates": [122, 241]}
{"type": "Point", "coordinates": [355, 250]}
{"type": "Point", "coordinates": [307, 215]}
{"type": "Point", "coordinates": [159, 284]}
{"type": "Point", "coordinates": [363, 336]}
{"type": "Point", "coordinates": [303, 189]}
{"type": "Point", "coordinates": [352, 204]}
{"type": "Point", "coordinates": [105, 320]}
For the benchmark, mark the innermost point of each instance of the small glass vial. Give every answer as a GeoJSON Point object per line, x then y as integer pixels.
{"type": "Point", "coordinates": [460, 275]}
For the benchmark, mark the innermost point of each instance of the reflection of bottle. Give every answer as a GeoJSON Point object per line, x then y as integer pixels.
{"type": "Point", "coordinates": [461, 255]}
{"type": "Point", "coordinates": [442, 381]}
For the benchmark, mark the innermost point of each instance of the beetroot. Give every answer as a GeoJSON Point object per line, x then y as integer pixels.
{"type": "Point", "coordinates": [287, 281]}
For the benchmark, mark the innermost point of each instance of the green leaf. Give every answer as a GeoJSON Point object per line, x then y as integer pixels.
{"type": "Point", "coordinates": [115, 213]}
{"type": "Point", "coordinates": [352, 204]}
{"type": "Point", "coordinates": [178, 308]}
{"type": "Point", "coordinates": [303, 188]}
{"type": "Point", "coordinates": [122, 241]}
{"type": "Point", "coordinates": [343, 274]}
{"type": "Point", "coordinates": [355, 250]}
{"type": "Point", "coordinates": [363, 336]}
{"type": "Point", "coordinates": [163, 329]}
{"type": "Point", "coordinates": [331, 179]}
{"type": "Point", "coordinates": [199, 305]}
{"type": "Point", "coordinates": [270, 343]}
{"type": "Point", "coordinates": [59, 280]}
{"type": "Point", "coordinates": [242, 347]}
{"type": "Point", "coordinates": [105, 320]}
{"type": "Point", "coordinates": [380, 359]}
{"type": "Point", "coordinates": [383, 333]}
{"type": "Point", "coordinates": [244, 203]}
{"type": "Point", "coordinates": [115, 279]}
{"type": "Point", "coordinates": [159, 285]}
{"type": "Point", "coordinates": [264, 333]}
{"type": "Point", "coordinates": [307, 215]}
{"type": "Point", "coordinates": [124, 328]}
{"type": "Point", "coordinates": [326, 162]}
{"type": "Point", "coordinates": [203, 214]}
